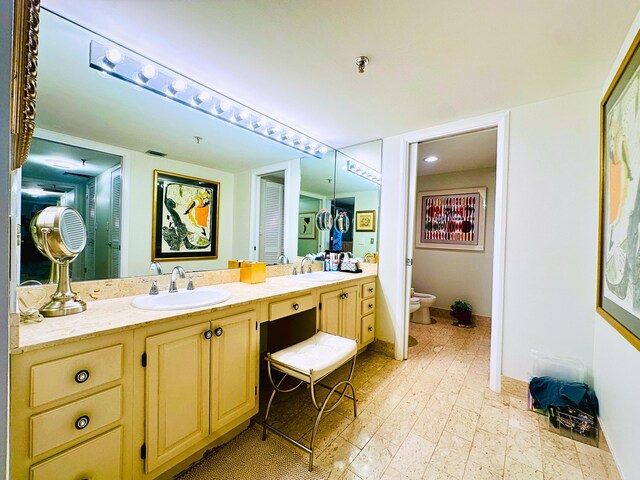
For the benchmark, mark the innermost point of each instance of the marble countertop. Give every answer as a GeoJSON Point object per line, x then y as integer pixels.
{"type": "Point", "coordinates": [117, 314]}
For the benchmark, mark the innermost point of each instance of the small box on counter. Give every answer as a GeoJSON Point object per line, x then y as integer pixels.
{"type": "Point", "coordinates": [253, 272]}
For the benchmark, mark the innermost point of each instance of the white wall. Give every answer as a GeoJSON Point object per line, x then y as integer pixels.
{"type": "Point", "coordinates": [458, 274]}
{"type": "Point", "coordinates": [616, 363]}
{"type": "Point", "coordinates": [241, 249]}
{"type": "Point", "coordinates": [139, 182]}
{"type": "Point", "coordinates": [552, 220]}
{"type": "Point", "coordinates": [6, 15]}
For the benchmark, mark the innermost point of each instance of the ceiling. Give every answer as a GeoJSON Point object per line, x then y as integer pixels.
{"type": "Point", "coordinates": [467, 151]}
{"type": "Point", "coordinates": [432, 61]}
{"type": "Point", "coordinates": [40, 170]}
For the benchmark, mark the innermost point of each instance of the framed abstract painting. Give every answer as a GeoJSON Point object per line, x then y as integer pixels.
{"type": "Point", "coordinates": [451, 219]}
{"type": "Point", "coordinates": [185, 217]}
{"type": "Point", "coordinates": [618, 289]}
{"type": "Point", "coordinates": [307, 226]}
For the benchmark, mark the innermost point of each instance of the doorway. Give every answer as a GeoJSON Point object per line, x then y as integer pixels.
{"type": "Point", "coordinates": [86, 180]}
{"type": "Point", "coordinates": [271, 233]}
{"type": "Point", "coordinates": [500, 122]}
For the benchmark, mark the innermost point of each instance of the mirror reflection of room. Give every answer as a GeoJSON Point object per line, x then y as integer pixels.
{"type": "Point", "coordinates": [106, 160]}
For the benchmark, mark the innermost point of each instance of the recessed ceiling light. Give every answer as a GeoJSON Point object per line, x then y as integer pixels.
{"type": "Point", "coordinates": [431, 159]}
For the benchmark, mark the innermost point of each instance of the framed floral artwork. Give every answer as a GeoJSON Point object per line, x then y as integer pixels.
{"type": "Point", "coordinates": [185, 217]}
{"type": "Point", "coordinates": [366, 221]}
{"type": "Point", "coordinates": [618, 289]}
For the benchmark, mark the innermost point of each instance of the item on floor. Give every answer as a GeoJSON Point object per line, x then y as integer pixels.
{"type": "Point", "coordinates": [547, 391]}
{"type": "Point", "coordinates": [461, 311]}
{"type": "Point", "coordinates": [309, 362]}
{"type": "Point", "coordinates": [419, 307]}
{"type": "Point", "coordinates": [273, 460]}
{"type": "Point", "coordinates": [574, 424]}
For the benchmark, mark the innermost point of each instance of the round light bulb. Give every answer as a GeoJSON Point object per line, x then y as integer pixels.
{"type": "Point", "coordinates": [178, 85]}
{"type": "Point", "coordinates": [431, 159]}
{"type": "Point", "coordinates": [148, 71]}
{"type": "Point", "coordinates": [113, 55]}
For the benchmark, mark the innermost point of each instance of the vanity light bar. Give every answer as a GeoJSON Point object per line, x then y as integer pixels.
{"type": "Point", "coordinates": [126, 65]}
{"type": "Point", "coordinates": [364, 171]}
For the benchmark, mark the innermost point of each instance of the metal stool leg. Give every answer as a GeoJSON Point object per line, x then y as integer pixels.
{"type": "Point", "coordinates": [266, 415]}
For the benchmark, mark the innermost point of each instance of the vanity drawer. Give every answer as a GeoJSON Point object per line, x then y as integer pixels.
{"type": "Point", "coordinates": [284, 308]}
{"type": "Point", "coordinates": [369, 289]}
{"type": "Point", "coordinates": [56, 427]}
{"type": "Point", "coordinates": [367, 329]}
{"type": "Point", "coordinates": [367, 306]}
{"type": "Point", "coordinates": [97, 459]}
{"type": "Point", "coordinates": [67, 376]}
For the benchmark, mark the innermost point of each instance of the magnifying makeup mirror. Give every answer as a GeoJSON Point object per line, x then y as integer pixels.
{"type": "Point", "coordinates": [60, 235]}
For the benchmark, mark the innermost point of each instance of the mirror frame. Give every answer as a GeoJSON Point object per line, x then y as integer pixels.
{"type": "Point", "coordinates": [26, 24]}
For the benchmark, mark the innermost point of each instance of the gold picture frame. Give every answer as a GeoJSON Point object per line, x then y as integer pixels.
{"type": "Point", "coordinates": [617, 298]}
{"type": "Point", "coordinates": [186, 228]}
{"type": "Point", "coordinates": [26, 24]}
{"type": "Point", "coordinates": [366, 221]}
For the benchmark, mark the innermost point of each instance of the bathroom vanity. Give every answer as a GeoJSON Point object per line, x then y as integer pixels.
{"type": "Point", "coordinates": [118, 392]}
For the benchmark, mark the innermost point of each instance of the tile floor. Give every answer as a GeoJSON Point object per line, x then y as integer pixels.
{"type": "Point", "coordinates": [434, 417]}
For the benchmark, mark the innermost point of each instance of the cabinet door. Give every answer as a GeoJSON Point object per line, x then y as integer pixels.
{"type": "Point", "coordinates": [350, 326]}
{"type": "Point", "coordinates": [330, 312]}
{"type": "Point", "coordinates": [177, 392]}
{"type": "Point", "coordinates": [234, 360]}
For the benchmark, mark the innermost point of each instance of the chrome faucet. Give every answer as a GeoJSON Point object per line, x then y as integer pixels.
{"type": "Point", "coordinates": [177, 271]}
{"type": "Point", "coordinates": [282, 259]}
{"type": "Point", "coordinates": [308, 258]}
{"type": "Point", "coordinates": [155, 267]}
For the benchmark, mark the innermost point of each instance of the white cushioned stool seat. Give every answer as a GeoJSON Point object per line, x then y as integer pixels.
{"type": "Point", "coordinates": [322, 353]}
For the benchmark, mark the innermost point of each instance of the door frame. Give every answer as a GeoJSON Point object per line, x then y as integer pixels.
{"type": "Point", "coordinates": [291, 171]}
{"type": "Point", "coordinates": [500, 121]}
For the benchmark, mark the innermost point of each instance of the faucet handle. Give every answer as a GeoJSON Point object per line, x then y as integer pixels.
{"type": "Point", "coordinates": [309, 269]}
{"type": "Point", "coordinates": [190, 284]}
{"type": "Point", "coordinates": [154, 286]}
{"type": "Point", "coordinates": [295, 271]}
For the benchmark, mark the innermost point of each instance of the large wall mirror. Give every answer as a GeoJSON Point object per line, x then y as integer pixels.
{"type": "Point", "coordinates": [100, 143]}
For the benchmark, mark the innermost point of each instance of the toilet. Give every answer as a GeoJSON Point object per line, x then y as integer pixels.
{"type": "Point", "coordinates": [419, 307]}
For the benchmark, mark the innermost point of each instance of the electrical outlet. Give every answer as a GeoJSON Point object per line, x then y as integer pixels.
{"type": "Point", "coordinates": [372, 240]}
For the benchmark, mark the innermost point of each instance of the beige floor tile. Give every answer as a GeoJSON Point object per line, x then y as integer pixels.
{"type": "Point", "coordinates": [559, 448]}
{"type": "Point", "coordinates": [374, 458]}
{"type": "Point", "coordinates": [489, 450]}
{"type": "Point", "coordinates": [430, 424]}
{"type": "Point", "coordinates": [524, 448]}
{"type": "Point", "coordinates": [413, 457]}
{"type": "Point", "coordinates": [330, 427]}
{"type": "Point", "coordinates": [523, 419]}
{"type": "Point", "coordinates": [434, 473]}
{"type": "Point", "coordinates": [462, 423]}
{"type": "Point", "coordinates": [337, 457]}
{"type": "Point", "coordinates": [558, 470]}
{"type": "Point", "coordinates": [349, 475]}
{"type": "Point", "coordinates": [477, 381]}
{"type": "Point", "coordinates": [392, 474]}
{"type": "Point", "coordinates": [451, 454]}
{"type": "Point", "coordinates": [611, 467]}
{"type": "Point", "coordinates": [475, 471]}
{"type": "Point", "coordinates": [470, 399]}
{"type": "Point", "coordinates": [452, 382]}
{"type": "Point", "coordinates": [592, 467]}
{"type": "Point", "coordinates": [362, 429]}
{"type": "Point", "coordinates": [494, 420]}
{"type": "Point", "coordinates": [514, 470]}
{"type": "Point", "coordinates": [398, 425]}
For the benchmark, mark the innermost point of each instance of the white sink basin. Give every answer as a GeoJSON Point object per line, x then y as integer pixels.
{"type": "Point", "coordinates": [322, 276]}
{"type": "Point", "coordinates": [183, 299]}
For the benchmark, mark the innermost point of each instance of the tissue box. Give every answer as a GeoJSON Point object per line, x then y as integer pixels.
{"type": "Point", "coordinates": [253, 272]}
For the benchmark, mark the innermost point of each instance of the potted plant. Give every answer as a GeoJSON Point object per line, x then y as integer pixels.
{"type": "Point", "coordinates": [461, 311]}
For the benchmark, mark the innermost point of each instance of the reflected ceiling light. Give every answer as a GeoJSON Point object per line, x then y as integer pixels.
{"type": "Point", "coordinates": [139, 71]}
{"type": "Point", "coordinates": [39, 192]}
{"type": "Point", "coordinates": [431, 159]}
{"type": "Point", "coordinates": [362, 170]}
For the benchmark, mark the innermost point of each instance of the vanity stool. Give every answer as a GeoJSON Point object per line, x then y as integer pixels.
{"type": "Point", "coordinates": [309, 362]}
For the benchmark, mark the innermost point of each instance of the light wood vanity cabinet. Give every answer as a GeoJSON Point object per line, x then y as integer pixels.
{"type": "Point", "coordinates": [71, 410]}
{"type": "Point", "coordinates": [339, 312]}
{"type": "Point", "coordinates": [200, 380]}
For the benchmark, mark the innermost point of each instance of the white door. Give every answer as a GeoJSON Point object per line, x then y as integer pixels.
{"type": "Point", "coordinates": [116, 223]}
{"type": "Point", "coordinates": [411, 222]}
{"type": "Point", "coordinates": [271, 221]}
{"type": "Point", "coordinates": [89, 251]}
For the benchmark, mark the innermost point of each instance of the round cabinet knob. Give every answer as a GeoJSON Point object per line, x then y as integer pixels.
{"type": "Point", "coordinates": [82, 376]}
{"type": "Point", "coordinates": [342, 295]}
{"type": "Point", "coordinates": [296, 306]}
{"type": "Point", "coordinates": [208, 334]}
{"type": "Point", "coordinates": [82, 422]}
{"type": "Point", "coordinates": [370, 328]}
{"type": "Point", "coordinates": [371, 290]}
{"type": "Point", "coordinates": [346, 295]}
{"type": "Point", "coordinates": [370, 305]}
{"type": "Point", "coordinates": [219, 331]}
